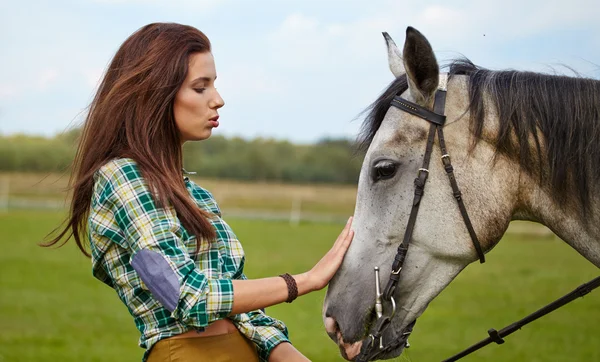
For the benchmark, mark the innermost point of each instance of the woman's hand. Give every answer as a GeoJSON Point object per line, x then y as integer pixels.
{"type": "Point", "coordinates": [261, 293]}
{"type": "Point", "coordinates": [324, 270]}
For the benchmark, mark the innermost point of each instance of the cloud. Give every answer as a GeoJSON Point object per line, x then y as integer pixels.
{"type": "Point", "coordinates": [508, 20]}
{"type": "Point", "coordinates": [302, 41]}
{"type": "Point", "coordinates": [7, 91]}
{"type": "Point", "coordinates": [38, 82]}
{"type": "Point", "coordinates": [188, 4]}
{"type": "Point", "coordinates": [46, 78]}
{"type": "Point", "coordinates": [248, 82]}
{"type": "Point", "coordinates": [511, 33]}
{"type": "Point", "coordinates": [463, 21]}
{"type": "Point", "coordinates": [92, 76]}
{"type": "Point", "coordinates": [299, 42]}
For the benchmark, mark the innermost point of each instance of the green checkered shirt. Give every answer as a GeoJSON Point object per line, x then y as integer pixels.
{"type": "Point", "coordinates": [124, 219]}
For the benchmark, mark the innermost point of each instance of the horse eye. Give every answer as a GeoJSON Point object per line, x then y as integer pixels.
{"type": "Point", "coordinates": [384, 170]}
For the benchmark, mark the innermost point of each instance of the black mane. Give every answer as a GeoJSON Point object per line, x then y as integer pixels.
{"type": "Point", "coordinates": [565, 111]}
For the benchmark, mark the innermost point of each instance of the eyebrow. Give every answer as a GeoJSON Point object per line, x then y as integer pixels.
{"type": "Point", "coordinates": [204, 79]}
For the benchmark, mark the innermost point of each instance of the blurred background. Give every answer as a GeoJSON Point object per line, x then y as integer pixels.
{"type": "Point", "coordinates": [295, 76]}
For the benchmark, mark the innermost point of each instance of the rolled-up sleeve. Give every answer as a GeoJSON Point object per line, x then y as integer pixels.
{"type": "Point", "coordinates": [154, 237]}
{"type": "Point", "coordinates": [266, 332]}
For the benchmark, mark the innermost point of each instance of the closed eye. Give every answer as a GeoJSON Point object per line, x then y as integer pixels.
{"type": "Point", "coordinates": [200, 90]}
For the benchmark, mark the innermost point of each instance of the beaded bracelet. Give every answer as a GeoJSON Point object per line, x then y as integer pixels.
{"type": "Point", "coordinates": [292, 287]}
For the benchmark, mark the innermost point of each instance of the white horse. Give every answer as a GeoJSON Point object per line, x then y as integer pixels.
{"type": "Point", "coordinates": [525, 146]}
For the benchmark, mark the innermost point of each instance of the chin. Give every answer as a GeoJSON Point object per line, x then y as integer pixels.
{"type": "Point", "coordinates": [200, 137]}
{"type": "Point", "coordinates": [205, 136]}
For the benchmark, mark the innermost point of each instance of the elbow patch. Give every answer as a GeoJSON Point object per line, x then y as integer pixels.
{"type": "Point", "coordinates": [156, 273]}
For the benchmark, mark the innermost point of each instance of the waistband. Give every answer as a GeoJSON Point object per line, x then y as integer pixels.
{"type": "Point", "coordinates": [228, 347]}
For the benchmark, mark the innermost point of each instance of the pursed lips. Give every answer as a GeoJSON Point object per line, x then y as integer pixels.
{"type": "Point", "coordinates": [214, 121]}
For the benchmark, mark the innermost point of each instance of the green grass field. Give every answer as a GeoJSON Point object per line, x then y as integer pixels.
{"type": "Point", "coordinates": [51, 309]}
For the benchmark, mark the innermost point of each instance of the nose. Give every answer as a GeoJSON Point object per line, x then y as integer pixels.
{"type": "Point", "coordinates": [217, 102]}
{"type": "Point", "coordinates": [349, 350]}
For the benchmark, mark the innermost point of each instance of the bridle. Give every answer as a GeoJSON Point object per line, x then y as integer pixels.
{"type": "Point", "coordinates": [373, 345]}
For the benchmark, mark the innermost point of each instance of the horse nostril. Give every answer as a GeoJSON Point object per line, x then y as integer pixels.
{"type": "Point", "coordinates": [331, 327]}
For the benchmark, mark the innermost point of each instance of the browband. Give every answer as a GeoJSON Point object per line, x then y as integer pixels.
{"type": "Point", "coordinates": [417, 110]}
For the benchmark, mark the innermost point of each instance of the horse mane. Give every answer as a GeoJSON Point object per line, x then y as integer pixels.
{"type": "Point", "coordinates": [377, 110]}
{"type": "Point", "coordinates": [559, 114]}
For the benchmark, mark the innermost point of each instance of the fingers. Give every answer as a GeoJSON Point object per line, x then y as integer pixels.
{"type": "Point", "coordinates": [349, 238]}
{"type": "Point", "coordinates": [345, 244]}
{"type": "Point", "coordinates": [328, 265]}
{"type": "Point", "coordinates": [348, 226]}
{"type": "Point", "coordinates": [345, 231]}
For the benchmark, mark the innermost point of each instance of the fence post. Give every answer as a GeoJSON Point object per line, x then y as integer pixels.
{"type": "Point", "coordinates": [4, 192]}
{"type": "Point", "coordinates": [296, 212]}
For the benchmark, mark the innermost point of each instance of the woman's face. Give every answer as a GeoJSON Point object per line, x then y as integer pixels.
{"type": "Point", "coordinates": [197, 101]}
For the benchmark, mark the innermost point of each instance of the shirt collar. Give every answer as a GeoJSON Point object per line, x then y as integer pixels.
{"type": "Point", "coordinates": [188, 172]}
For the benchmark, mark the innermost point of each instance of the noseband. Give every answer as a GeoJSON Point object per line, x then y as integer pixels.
{"type": "Point", "coordinates": [373, 345]}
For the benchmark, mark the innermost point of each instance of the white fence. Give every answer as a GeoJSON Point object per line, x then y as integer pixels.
{"type": "Point", "coordinates": [294, 216]}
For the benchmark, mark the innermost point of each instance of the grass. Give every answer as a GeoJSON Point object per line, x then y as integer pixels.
{"type": "Point", "coordinates": [51, 309]}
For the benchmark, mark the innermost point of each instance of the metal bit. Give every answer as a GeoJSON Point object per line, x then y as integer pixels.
{"type": "Point", "coordinates": [406, 344]}
{"type": "Point", "coordinates": [378, 304]}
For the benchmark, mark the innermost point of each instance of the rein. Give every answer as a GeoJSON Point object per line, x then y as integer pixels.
{"type": "Point", "coordinates": [496, 336]}
{"type": "Point", "coordinates": [373, 346]}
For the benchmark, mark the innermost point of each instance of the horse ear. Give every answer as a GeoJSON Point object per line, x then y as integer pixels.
{"type": "Point", "coordinates": [394, 56]}
{"type": "Point", "coordinates": [422, 69]}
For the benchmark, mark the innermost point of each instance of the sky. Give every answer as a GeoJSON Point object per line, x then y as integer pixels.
{"type": "Point", "coordinates": [299, 70]}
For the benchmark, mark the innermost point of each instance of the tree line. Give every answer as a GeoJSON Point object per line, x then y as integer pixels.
{"type": "Point", "coordinates": [326, 161]}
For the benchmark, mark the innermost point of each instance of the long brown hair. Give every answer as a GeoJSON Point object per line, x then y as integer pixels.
{"type": "Point", "coordinates": [131, 116]}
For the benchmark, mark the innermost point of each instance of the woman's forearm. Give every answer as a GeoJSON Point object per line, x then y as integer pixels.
{"type": "Point", "coordinates": [249, 295]}
{"type": "Point", "coordinates": [285, 352]}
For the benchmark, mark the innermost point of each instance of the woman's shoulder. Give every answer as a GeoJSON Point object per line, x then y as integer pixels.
{"type": "Point", "coordinates": [121, 174]}
{"type": "Point", "coordinates": [119, 170]}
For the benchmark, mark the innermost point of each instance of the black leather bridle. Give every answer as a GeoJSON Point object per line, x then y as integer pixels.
{"type": "Point", "coordinates": [373, 345]}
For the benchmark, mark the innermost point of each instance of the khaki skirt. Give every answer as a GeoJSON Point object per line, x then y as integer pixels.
{"type": "Point", "coordinates": [221, 348]}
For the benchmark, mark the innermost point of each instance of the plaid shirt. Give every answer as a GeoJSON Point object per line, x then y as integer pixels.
{"type": "Point", "coordinates": [124, 219]}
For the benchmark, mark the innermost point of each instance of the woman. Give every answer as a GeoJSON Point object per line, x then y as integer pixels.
{"type": "Point", "coordinates": [156, 237]}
